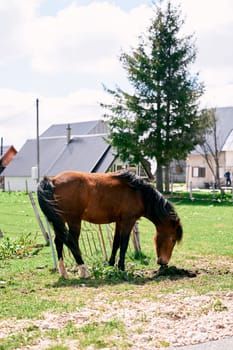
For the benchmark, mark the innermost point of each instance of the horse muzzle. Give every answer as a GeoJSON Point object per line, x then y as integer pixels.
{"type": "Point", "coordinates": [161, 261]}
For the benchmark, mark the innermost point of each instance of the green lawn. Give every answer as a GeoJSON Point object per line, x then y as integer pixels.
{"type": "Point", "coordinates": [29, 286]}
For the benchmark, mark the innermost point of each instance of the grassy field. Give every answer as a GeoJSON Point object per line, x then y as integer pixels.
{"type": "Point", "coordinates": [30, 288]}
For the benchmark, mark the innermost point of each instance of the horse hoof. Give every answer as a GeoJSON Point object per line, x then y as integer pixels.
{"type": "Point", "coordinates": [62, 269]}
{"type": "Point", "coordinates": [64, 274]}
{"type": "Point", "coordinates": [83, 272]}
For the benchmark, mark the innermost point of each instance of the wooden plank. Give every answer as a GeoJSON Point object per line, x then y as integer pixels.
{"type": "Point", "coordinates": [45, 234]}
{"type": "Point", "coordinates": [51, 244]}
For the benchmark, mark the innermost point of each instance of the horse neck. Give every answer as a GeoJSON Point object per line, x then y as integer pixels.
{"type": "Point", "coordinates": [157, 220]}
{"type": "Point", "coordinates": [155, 208]}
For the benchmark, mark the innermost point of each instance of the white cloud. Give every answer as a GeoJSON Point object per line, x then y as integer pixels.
{"type": "Point", "coordinates": [84, 38]}
{"type": "Point", "coordinates": [18, 119]}
{"type": "Point", "coordinates": [83, 104]}
{"type": "Point", "coordinates": [78, 40]}
{"type": "Point", "coordinates": [212, 25]}
{"type": "Point", "coordinates": [14, 18]}
{"type": "Point", "coordinates": [86, 41]}
{"type": "Point", "coordinates": [16, 115]}
{"type": "Point", "coordinates": [218, 96]}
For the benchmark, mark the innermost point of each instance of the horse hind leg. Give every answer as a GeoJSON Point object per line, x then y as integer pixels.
{"type": "Point", "coordinates": [59, 247]}
{"type": "Point", "coordinates": [74, 233]}
{"type": "Point", "coordinates": [83, 271]}
{"type": "Point", "coordinates": [61, 268]}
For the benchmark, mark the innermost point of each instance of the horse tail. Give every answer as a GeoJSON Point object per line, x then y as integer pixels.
{"type": "Point", "coordinates": [47, 202]}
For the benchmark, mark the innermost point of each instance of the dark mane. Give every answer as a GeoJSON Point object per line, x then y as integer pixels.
{"type": "Point", "coordinates": [155, 203]}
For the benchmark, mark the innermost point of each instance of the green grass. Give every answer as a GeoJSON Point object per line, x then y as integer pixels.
{"type": "Point", "coordinates": [30, 288]}
{"type": "Point", "coordinates": [102, 334]}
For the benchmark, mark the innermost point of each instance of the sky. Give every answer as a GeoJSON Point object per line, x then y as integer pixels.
{"type": "Point", "coordinates": [63, 52]}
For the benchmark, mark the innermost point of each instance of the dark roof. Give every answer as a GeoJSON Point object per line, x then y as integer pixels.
{"type": "Point", "coordinates": [81, 128]}
{"type": "Point", "coordinates": [88, 153]}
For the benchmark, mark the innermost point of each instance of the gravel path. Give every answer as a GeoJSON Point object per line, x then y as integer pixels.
{"type": "Point", "coordinates": [172, 320]}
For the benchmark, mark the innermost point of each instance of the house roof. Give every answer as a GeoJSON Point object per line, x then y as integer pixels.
{"type": "Point", "coordinates": [82, 128]}
{"type": "Point", "coordinates": [224, 124]}
{"type": "Point", "coordinates": [87, 151]}
{"type": "Point", "coordinates": [8, 153]}
{"type": "Point", "coordinates": [3, 150]}
{"type": "Point", "coordinates": [224, 130]}
{"type": "Point", "coordinates": [228, 144]}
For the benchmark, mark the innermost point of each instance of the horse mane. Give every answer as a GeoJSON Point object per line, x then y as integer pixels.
{"type": "Point", "coordinates": [163, 209]}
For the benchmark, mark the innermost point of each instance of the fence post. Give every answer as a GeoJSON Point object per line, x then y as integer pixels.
{"type": "Point", "coordinates": [26, 185]}
{"type": "Point", "coordinates": [136, 240]}
{"type": "Point", "coordinates": [191, 190]}
{"type": "Point", "coordinates": [45, 234]}
{"type": "Point", "coordinates": [51, 243]}
{"type": "Point", "coordinates": [102, 239]}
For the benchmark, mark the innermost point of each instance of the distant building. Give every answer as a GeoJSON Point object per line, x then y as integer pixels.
{"type": "Point", "coordinates": [197, 170]}
{"type": "Point", "coordinates": [77, 146]}
{"type": "Point", "coordinates": [7, 154]}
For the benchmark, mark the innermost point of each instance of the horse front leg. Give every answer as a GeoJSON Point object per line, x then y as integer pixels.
{"type": "Point", "coordinates": [123, 248]}
{"type": "Point", "coordinates": [124, 241]}
{"type": "Point", "coordinates": [115, 245]}
{"type": "Point", "coordinates": [74, 233]}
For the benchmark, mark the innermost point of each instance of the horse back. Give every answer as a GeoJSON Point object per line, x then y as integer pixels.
{"type": "Point", "coordinates": [97, 198]}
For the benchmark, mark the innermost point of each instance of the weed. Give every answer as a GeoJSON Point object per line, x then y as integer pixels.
{"type": "Point", "coordinates": [218, 306]}
{"type": "Point", "coordinates": [164, 343]}
{"type": "Point", "coordinates": [19, 248]}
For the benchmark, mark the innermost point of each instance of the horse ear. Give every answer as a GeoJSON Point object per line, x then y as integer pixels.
{"type": "Point", "coordinates": [175, 222]}
{"type": "Point", "coordinates": [179, 230]}
{"type": "Point", "coordinates": [178, 227]}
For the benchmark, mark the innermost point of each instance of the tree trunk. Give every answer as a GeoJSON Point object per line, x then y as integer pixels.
{"type": "Point", "coordinates": [217, 172]}
{"type": "Point", "coordinates": [167, 178]}
{"type": "Point", "coordinates": [159, 178]}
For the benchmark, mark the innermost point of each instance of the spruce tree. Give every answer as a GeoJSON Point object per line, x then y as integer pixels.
{"type": "Point", "coordinates": [159, 117]}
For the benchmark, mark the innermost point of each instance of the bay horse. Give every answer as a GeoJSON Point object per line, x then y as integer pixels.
{"type": "Point", "coordinates": [120, 197]}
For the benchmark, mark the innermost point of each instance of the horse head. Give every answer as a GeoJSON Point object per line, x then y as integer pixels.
{"type": "Point", "coordinates": [167, 234]}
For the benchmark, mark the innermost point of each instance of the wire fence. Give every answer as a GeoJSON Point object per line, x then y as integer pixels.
{"type": "Point", "coordinates": [96, 241]}
{"type": "Point", "coordinates": [22, 216]}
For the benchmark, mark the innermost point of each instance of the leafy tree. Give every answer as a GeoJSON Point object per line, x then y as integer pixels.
{"type": "Point", "coordinates": [211, 147]}
{"type": "Point", "coordinates": [160, 117]}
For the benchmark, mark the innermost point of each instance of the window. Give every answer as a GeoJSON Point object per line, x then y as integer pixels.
{"type": "Point", "coordinates": [179, 169]}
{"type": "Point", "coordinates": [198, 172]}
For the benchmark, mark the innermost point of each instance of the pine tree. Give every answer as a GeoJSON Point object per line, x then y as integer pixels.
{"type": "Point", "coordinates": [160, 118]}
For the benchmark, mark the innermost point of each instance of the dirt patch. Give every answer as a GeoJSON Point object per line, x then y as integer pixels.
{"type": "Point", "coordinates": [173, 272]}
